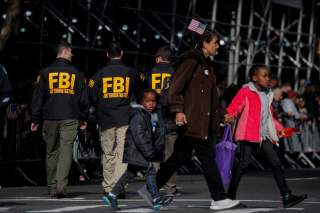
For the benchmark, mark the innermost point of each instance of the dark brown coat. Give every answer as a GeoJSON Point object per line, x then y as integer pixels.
{"type": "Point", "coordinates": [193, 91]}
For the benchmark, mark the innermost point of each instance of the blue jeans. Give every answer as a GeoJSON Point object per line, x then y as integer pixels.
{"type": "Point", "coordinates": [131, 173]}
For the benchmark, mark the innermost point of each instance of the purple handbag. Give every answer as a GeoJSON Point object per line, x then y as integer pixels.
{"type": "Point", "coordinates": [225, 151]}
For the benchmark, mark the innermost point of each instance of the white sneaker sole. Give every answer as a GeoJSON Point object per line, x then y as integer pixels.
{"type": "Point", "coordinates": [232, 204]}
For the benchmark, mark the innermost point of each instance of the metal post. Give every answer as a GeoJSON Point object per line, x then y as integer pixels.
{"type": "Point", "coordinates": [266, 59]}
{"type": "Point", "coordinates": [138, 40]}
{"type": "Point", "coordinates": [268, 6]}
{"type": "Point", "coordinates": [231, 50]}
{"type": "Point", "coordinates": [283, 20]}
{"type": "Point", "coordinates": [173, 23]}
{"type": "Point", "coordinates": [43, 8]}
{"type": "Point", "coordinates": [214, 14]}
{"type": "Point", "coordinates": [250, 41]}
{"type": "Point", "coordinates": [311, 42]}
{"type": "Point", "coordinates": [194, 3]}
{"type": "Point", "coordinates": [298, 50]}
{"type": "Point", "coordinates": [70, 21]}
{"type": "Point", "coordinates": [86, 59]}
{"type": "Point", "coordinates": [237, 50]}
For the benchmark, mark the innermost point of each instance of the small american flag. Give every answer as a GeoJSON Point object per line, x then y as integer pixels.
{"type": "Point", "coordinates": [12, 112]}
{"type": "Point", "coordinates": [197, 26]}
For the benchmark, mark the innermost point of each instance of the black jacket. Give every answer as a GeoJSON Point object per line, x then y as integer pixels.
{"type": "Point", "coordinates": [111, 90]}
{"type": "Point", "coordinates": [60, 93]}
{"type": "Point", "coordinates": [158, 75]}
{"type": "Point", "coordinates": [159, 79]}
{"type": "Point", "coordinates": [141, 144]}
{"type": "Point", "coordinates": [5, 88]}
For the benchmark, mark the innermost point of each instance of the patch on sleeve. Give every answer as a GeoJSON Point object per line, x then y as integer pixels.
{"type": "Point", "coordinates": [142, 77]}
{"type": "Point", "coordinates": [91, 83]}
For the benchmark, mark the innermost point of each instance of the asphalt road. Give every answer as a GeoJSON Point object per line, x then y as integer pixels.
{"type": "Point", "coordinates": [257, 191]}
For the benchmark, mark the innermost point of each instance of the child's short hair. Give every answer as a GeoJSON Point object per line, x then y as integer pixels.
{"type": "Point", "coordinates": [255, 68]}
{"type": "Point", "coordinates": [144, 91]}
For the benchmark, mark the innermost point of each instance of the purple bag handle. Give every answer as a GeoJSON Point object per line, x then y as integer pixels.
{"type": "Point", "coordinates": [226, 133]}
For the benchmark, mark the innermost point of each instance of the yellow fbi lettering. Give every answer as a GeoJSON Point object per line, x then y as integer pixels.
{"type": "Point", "coordinates": [61, 83]}
{"type": "Point", "coordinates": [157, 80]}
{"type": "Point", "coordinates": [115, 87]}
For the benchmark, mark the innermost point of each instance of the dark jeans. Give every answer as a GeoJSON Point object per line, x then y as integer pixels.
{"type": "Point", "coordinates": [271, 154]}
{"type": "Point", "coordinates": [205, 151]}
{"type": "Point", "coordinates": [131, 173]}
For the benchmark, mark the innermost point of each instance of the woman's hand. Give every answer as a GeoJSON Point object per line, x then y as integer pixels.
{"type": "Point", "coordinates": [228, 119]}
{"type": "Point", "coordinates": [181, 119]}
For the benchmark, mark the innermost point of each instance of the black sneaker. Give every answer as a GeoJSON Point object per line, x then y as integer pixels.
{"type": "Point", "coordinates": [60, 195]}
{"type": "Point", "coordinates": [121, 196]}
{"type": "Point", "coordinates": [291, 200]}
{"type": "Point", "coordinates": [110, 200]}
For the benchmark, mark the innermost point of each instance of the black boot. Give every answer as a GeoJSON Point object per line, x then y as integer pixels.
{"type": "Point", "coordinates": [291, 200]}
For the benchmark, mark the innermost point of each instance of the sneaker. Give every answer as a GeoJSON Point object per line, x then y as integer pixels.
{"type": "Point", "coordinates": [121, 196]}
{"type": "Point", "coordinates": [146, 196]}
{"type": "Point", "coordinates": [160, 202]}
{"type": "Point", "coordinates": [60, 195]}
{"type": "Point", "coordinates": [110, 200]}
{"type": "Point", "coordinates": [291, 200]}
{"type": "Point", "coordinates": [224, 204]}
{"type": "Point", "coordinates": [176, 193]}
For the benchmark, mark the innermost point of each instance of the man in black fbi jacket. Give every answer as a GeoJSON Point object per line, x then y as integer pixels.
{"type": "Point", "coordinates": [159, 79]}
{"type": "Point", "coordinates": [111, 90]}
{"type": "Point", "coordinates": [60, 98]}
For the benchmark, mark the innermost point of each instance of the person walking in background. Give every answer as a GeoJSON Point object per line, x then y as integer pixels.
{"type": "Point", "coordinates": [111, 90]}
{"type": "Point", "coordinates": [60, 98]}
{"type": "Point", "coordinates": [159, 80]}
{"type": "Point", "coordinates": [257, 129]}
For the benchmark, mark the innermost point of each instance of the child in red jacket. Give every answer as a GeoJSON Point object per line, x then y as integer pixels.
{"type": "Point", "coordinates": [257, 129]}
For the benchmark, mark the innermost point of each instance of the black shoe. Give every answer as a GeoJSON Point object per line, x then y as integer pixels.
{"type": "Point", "coordinates": [111, 200]}
{"type": "Point", "coordinates": [291, 200]}
{"type": "Point", "coordinates": [60, 195]}
{"type": "Point", "coordinates": [121, 196]}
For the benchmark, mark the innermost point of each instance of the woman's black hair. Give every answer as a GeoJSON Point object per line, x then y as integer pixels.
{"type": "Point", "coordinates": [207, 36]}
{"type": "Point", "coordinates": [255, 68]}
{"type": "Point", "coordinates": [144, 91]}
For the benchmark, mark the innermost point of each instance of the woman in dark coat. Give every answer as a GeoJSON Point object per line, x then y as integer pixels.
{"type": "Point", "coordinates": [193, 97]}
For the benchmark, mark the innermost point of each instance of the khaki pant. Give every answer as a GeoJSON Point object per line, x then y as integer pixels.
{"type": "Point", "coordinates": [59, 137]}
{"type": "Point", "coordinates": [112, 144]}
{"type": "Point", "coordinates": [171, 185]}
